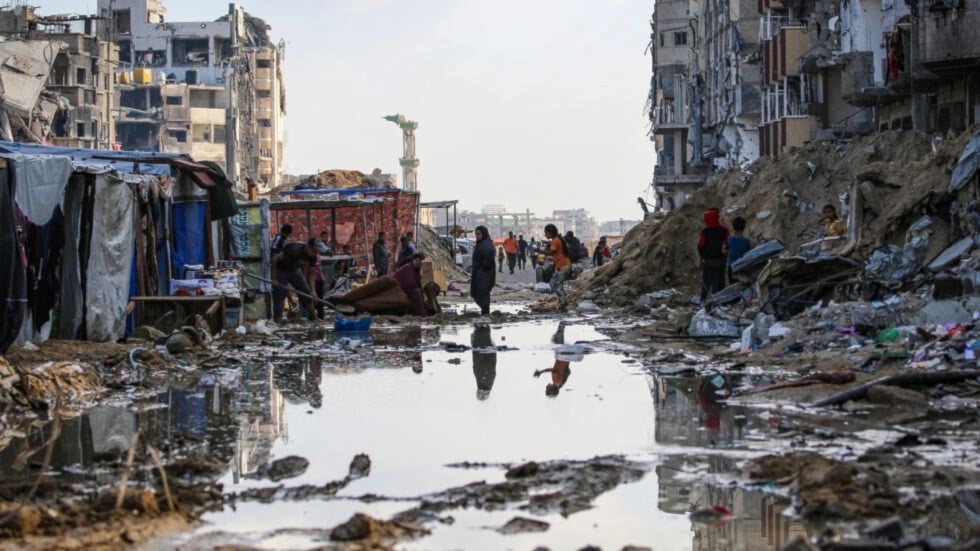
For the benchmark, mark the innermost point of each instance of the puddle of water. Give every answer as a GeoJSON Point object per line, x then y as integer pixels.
{"type": "Point", "coordinates": [415, 405]}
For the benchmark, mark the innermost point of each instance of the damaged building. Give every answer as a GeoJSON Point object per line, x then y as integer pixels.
{"type": "Point", "coordinates": [704, 103]}
{"type": "Point", "coordinates": [210, 89]}
{"type": "Point", "coordinates": [926, 68]}
{"type": "Point", "coordinates": [58, 80]}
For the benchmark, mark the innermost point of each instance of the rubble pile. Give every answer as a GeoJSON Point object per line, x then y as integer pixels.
{"type": "Point", "coordinates": [434, 249]}
{"type": "Point", "coordinates": [341, 179]}
{"type": "Point", "coordinates": [900, 176]}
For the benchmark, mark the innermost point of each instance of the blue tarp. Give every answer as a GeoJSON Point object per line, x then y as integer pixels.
{"type": "Point", "coordinates": [106, 158]}
{"type": "Point", "coordinates": [968, 164]}
{"type": "Point", "coordinates": [189, 234]}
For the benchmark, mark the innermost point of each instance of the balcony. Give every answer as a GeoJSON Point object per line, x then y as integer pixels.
{"type": "Point", "coordinates": [667, 119]}
{"type": "Point", "coordinates": [666, 176]}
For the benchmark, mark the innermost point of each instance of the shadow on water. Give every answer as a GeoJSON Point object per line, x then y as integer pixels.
{"type": "Point", "coordinates": [422, 400]}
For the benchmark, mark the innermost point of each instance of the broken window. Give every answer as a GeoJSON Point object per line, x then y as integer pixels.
{"type": "Point", "coordinates": [222, 49]}
{"type": "Point", "coordinates": [134, 99]}
{"type": "Point", "coordinates": [80, 130]}
{"type": "Point", "coordinates": [663, 39]}
{"type": "Point", "coordinates": [179, 135]}
{"type": "Point", "coordinates": [59, 76]}
{"type": "Point", "coordinates": [125, 51]}
{"type": "Point", "coordinates": [151, 58]}
{"type": "Point", "coordinates": [191, 52]}
{"type": "Point", "coordinates": [263, 63]}
{"type": "Point", "coordinates": [121, 20]}
{"type": "Point", "coordinates": [680, 39]}
{"type": "Point", "coordinates": [175, 100]}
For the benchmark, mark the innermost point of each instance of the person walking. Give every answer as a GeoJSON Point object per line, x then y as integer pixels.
{"type": "Point", "coordinates": [483, 278]}
{"type": "Point", "coordinates": [601, 253]}
{"type": "Point", "coordinates": [380, 255]}
{"type": "Point", "coordinates": [521, 252]}
{"type": "Point", "coordinates": [511, 248]}
{"type": "Point", "coordinates": [500, 259]}
{"type": "Point", "coordinates": [711, 250]}
{"type": "Point", "coordinates": [558, 251]}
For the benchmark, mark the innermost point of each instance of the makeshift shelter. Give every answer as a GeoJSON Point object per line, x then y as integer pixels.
{"type": "Point", "coordinates": [351, 216]}
{"type": "Point", "coordinates": [99, 228]}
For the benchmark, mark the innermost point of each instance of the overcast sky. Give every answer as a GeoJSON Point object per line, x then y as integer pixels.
{"type": "Point", "coordinates": [533, 104]}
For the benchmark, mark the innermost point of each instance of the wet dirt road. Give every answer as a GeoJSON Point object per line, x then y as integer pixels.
{"type": "Point", "coordinates": [464, 447]}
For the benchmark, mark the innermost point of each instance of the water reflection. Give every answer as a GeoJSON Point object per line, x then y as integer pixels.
{"type": "Point", "coordinates": [692, 412]}
{"type": "Point", "coordinates": [484, 360]}
{"type": "Point", "coordinates": [561, 370]}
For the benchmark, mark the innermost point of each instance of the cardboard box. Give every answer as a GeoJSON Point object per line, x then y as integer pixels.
{"type": "Point", "coordinates": [432, 274]}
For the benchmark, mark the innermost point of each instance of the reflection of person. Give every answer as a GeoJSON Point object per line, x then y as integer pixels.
{"type": "Point", "coordinates": [484, 276]}
{"type": "Point", "coordinates": [409, 278]}
{"type": "Point", "coordinates": [484, 360]}
{"type": "Point", "coordinates": [300, 382]}
{"type": "Point", "coordinates": [559, 376]}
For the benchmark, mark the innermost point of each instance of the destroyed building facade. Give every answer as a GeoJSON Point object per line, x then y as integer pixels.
{"type": "Point", "coordinates": [210, 89]}
{"type": "Point", "coordinates": [926, 69]}
{"type": "Point", "coordinates": [58, 80]}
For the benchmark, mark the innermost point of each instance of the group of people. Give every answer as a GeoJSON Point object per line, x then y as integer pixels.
{"type": "Point", "coordinates": [720, 247]}
{"type": "Point", "coordinates": [485, 269]}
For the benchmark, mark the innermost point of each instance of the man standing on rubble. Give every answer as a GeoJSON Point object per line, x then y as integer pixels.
{"type": "Point", "coordinates": [711, 250]}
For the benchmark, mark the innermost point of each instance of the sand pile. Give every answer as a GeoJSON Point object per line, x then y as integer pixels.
{"type": "Point", "coordinates": [899, 175]}
{"type": "Point", "coordinates": [429, 244]}
{"type": "Point", "coordinates": [341, 179]}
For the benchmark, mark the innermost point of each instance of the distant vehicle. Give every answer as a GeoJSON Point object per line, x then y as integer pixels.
{"type": "Point", "coordinates": [462, 251]}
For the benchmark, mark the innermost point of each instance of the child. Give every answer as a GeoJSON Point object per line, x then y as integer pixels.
{"type": "Point", "coordinates": [738, 244]}
{"type": "Point", "coordinates": [711, 245]}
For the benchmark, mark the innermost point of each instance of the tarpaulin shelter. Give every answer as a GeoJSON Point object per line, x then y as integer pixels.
{"type": "Point", "coordinates": [351, 216]}
{"type": "Point", "coordinates": [99, 227]}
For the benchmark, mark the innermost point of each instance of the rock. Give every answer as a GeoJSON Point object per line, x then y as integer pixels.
{"type": "Point", "coordinates": [523, 471]}
{"type": "Point", "coordinates": [656, 297]}
{"type": "Point", "coordinates": [542, 287]}
{"type": "Point", "coordinates": [287, 467]}
{"type": "Point", "coordinates": [148, 333]}
{"type": "Point", "coordinates": [521, 525]}
{"type": "Point", "coordinates": [943, 311]}
{"type": "Point", "coordinates": [179, 343]}
{"type": "Point", "coordinates": [891, 529]}
{"type": "Point", "coordinates": [358, 527]}
{"type": "Point", "coordinates": [360, 466]}
{"type": "Point", "coordinates": [705, 325]}
{"type": "Point", "coordinates": [952, 254]}
{"type": "Point", "coordinates": [896, 396]}
{"type": "Point", "coordinates": [590, 295]}
{"type": "Point", "coordinates": [763, 214]}
{"type": "Point", "coordinates": [18, 521]}
{"type": "Point", "coordinates": [587, 307]}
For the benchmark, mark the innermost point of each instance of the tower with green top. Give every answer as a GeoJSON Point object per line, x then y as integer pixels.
{"type": "Point", "coordinates": [410, 164]}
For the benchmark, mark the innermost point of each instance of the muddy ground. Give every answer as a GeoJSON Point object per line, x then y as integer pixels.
{"type": "Point", "coordinates": [900, 466]}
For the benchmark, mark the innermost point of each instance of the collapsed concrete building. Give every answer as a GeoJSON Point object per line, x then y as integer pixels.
{"type": "Point", "coordinates": [819, 70]}
{"type": "Point", "coordinates": [210, 89]}
{"type": "Point", "coordinates": [58, 80]}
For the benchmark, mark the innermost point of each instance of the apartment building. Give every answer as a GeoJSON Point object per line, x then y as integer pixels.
{"type": "Point", "coordinates": [927, 68]}
{"type": "Point", "coordinates": [74, 107]}
{"type": "Point", "coordinates": [211, 89]}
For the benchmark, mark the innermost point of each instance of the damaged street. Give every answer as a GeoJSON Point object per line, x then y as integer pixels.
{"type": "Point", "coordinates": [206, 343]}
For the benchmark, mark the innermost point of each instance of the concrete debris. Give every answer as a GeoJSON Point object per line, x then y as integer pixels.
{"type": "Point", "coordinates": [587, 307]}
{"type": "Point", "coordinates": [952, 254]}
{"type": "Point", "coordinates": [704, 324]}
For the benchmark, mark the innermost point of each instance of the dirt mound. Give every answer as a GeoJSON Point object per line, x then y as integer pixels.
{"type": "Point", "coordinates": [900, 176]}
{"type": "Point", "coordinates": [429, 244]}
{"type": "Point", "coordinates": [341, 179]}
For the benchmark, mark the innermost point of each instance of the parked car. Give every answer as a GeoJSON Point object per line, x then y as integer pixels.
{"type": "Point", "coordinates": [464, 254]}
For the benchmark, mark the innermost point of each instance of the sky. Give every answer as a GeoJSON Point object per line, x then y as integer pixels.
{"type": "Point", "coordinates": [530, 104]}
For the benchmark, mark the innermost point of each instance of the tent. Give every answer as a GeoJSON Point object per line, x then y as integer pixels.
{"type": "Point", "coordinates": [98, 227]}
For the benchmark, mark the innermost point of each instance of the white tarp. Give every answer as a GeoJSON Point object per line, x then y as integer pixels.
{"type": "Point", "coordinates": [111, 258]}
{"type": "Point", "coordinates": [40, 182]}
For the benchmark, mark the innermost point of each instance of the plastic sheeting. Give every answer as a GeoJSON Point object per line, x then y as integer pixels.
{"type": "Point", "coordinates": [968, 164]}
{"type": "Point", "coordinates": [190, 234]}
{"type": "Point", "coordinates": [41, 181]}
{"type": "Point", "coordinates": [110, 261]}
{"type": "Point", "coordinates": [250, 242]}
{"type": "Point", "coordinates": [13, 279]}
{"type": "Point", "coordinates": [757, 255]}
{"type": "Point", "coordinates": [71, 311]}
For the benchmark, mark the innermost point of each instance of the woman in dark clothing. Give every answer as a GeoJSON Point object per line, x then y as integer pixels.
{"type": "Point", "coordinates": [484, 272]}
{"type": "Point", "coordinates": [409, 278]}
